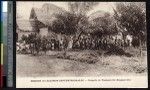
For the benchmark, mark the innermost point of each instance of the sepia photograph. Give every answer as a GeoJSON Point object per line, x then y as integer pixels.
{"type": "Point", "coordinates": [80, 39]}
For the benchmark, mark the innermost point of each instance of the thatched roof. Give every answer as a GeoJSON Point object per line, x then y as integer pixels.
{"type": "Point", "coordinates": [24, 25]}
{"type": "Point", "coordinates": [47, 13]}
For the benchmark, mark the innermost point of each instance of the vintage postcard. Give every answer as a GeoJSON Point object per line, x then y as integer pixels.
{"type": "Point", "coordinates": [81, 44]}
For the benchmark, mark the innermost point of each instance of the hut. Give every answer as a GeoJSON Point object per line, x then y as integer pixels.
{"type": "Point", "coordinates": [41, 19]}
{"type": "Point", "coordinates": [23, 27]}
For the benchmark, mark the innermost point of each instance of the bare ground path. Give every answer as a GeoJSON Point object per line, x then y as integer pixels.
{"type": "Point", "coordinates": [45, 66]}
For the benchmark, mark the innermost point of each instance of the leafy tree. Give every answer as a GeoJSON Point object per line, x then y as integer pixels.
{"type": "Point", "coordinates": [132, 17]}
{"type": "Point", "coordinates": [75, 22]}
{"type": "Point", "coordinates": [103, 26]}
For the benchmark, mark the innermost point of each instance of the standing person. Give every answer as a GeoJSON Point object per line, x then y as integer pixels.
{"type": "Point", "coordinates": [52, 44]}
{"type": "Point", "coordinates": [70, 43]}
{"type": "Point", "coordinates": [61, 44]}
{"type": "Point", "coordinates": [48, 44]}
{"type": "Point", "coordinates": [93, 44]}
{"type": "Point", "coordinates": [81, 42]}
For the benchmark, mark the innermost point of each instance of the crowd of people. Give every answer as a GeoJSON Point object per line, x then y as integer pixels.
{"type": "Point", "coordinates": [35, 43]}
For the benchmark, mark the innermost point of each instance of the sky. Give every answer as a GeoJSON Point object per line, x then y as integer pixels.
{"type": "Point", "coordinates": [24, 7]}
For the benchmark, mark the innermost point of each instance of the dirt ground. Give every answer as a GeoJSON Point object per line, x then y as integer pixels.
{"type": "Point", "coordinates": [50, 65]}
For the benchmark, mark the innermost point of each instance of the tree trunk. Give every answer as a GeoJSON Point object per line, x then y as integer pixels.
{"type": "Point", "coordinates": [65, 49]}
{"type": "Point", "coordinates": [124, 42]}
{"type": "Point", "coordinates": [78, 37]}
